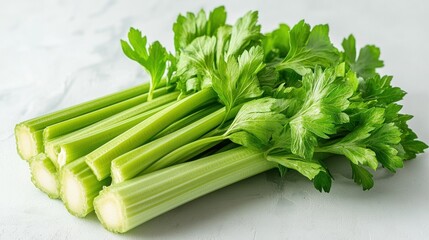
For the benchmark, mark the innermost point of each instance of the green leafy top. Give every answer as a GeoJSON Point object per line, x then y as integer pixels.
{"type": "Point", "coordinates": [236, 79]}
{"type": "Point", "coordinates": [367, 61]}
{"type": "Point", "coordinates": [307, 48]}
{"type": "Point", "coordinates": [153, 58]}
{"type": "Point", "coordinates": [323, 97]}
{"type": "Point", "coordinates": [262, 124]}
{"type": "Point", "coordinates": [302, 123]}
{"type": "Point", "coordinates": [289, 128]}
{"type": "Point", "coordinates": [302, 100]}
{"type": "Point", "coordinates": [229, 62]}
{"type": "Point", "coordinates": [244, 32]}
{"type": "Point", "coordinates": [259, 123]}
{"type": "Point", "coordinates": [277, 43]}
{"type": "Point", "coordinates": [189, 27]}
{"type": "Point", "coordinates": [378, 91]}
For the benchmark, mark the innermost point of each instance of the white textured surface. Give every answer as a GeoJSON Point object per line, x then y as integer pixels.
{"type": "Point", "coordinates": [57, 53]}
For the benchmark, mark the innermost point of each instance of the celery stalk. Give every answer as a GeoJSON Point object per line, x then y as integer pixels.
{"type": "Point", "coordinates": [211, 149]}
{"type": "Point", "coordinates": [190, 150]}
{"type": "Point", "coordinates": [79, 187]}
{"type": "Point", "coordinates": [87, 119]}
{"type": "Point", "coordinates": [121, 207]}
{"type": "Point", "coordinates": [126, 114]}
{"type": "Point", "coordinates": [52, 147]}
{"type": "Point", "coordinates": [28, 134]}
{"type": "Point", "coordinates": [81, 145]}
{"type": "Point", "coordinates": [188, 120]}
{"type": "Point", "coordinates": [227, 146]}
{"type": "Point", "coordinates": [133, 162]}
{"type": "Point", "coordinates": [44, 175]}
{"type": "Point", "coordinates": [100, 159]}
{"type": "Point", "coordinates": [185, 153]}
{"type": "Point", "coordinates": [170, 159]}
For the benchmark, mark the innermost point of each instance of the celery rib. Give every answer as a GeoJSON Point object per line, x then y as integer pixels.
{"type": "Point", "coordinates": [84, 144]}
{"type": "Point", "coordinates": [28, 134]}
{"type": "Point", "coordinates": [100, 159]}
{"type": "Point", "coordinates": [132, 163]}
{"type": "Point", "coordinates": [53, 147]}
{"type": "Point", "coordinates": [87, 119]}
{"type": "Point", "coordinates": [188, 120]}
{"type": "Point", "coordinates": [126, 114]}
{"type": "Point", "coordinates": [123, 206]}
{"type": "Point", "coordinates": [184, 153]}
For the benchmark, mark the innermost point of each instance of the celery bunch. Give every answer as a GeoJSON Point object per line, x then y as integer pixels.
{"type": "Point", "coordinates": [230, 103]}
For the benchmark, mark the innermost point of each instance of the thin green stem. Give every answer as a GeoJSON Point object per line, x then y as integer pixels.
{"type": "Point", "coordinates": [151, 91]}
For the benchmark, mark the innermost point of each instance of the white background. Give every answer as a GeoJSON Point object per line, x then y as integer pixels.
{"type": "Point", "coordinates": [57, 53]}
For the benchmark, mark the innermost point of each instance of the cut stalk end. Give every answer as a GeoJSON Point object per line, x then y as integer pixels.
{"type": "Point", "coordinates": [110, 211]}
{"type": "Point", "coordinates": [26, 142]}
{"type": "Point", "coordinates": [44, 175]}
{"type": "Point", "coordinates": [79, 187]}
{"type": "Point", "coordinates": [72, 194]}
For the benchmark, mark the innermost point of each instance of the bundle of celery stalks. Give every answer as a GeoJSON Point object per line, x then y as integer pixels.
{"type": "Point", "coordinates": [230, 103]}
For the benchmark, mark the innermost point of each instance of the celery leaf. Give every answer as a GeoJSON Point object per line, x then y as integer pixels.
{"type": "Point", "coordinates": [236, 80]}
{"type": "Point", "coordinates": [244, 32]}
{"type": "Point", "coordinates": [368, 60]}
{"type": "Point", "coordinates": [188, 28]}
{"type": "Point", "coordinates": [153, 59]}
{"type": "Point", "coordinates": [321, 101]}
{"type": "Point", "coordinates": [258, 123]}
{"type": "Point", "coordinates": [362, 177]}
{"type": "Point", "coordinates": [309, 49]}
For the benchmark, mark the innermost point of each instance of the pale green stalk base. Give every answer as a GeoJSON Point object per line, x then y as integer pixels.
{"type": "Point", "coordinates": [28, 134]}
{"type": "Point", "coordinates": [44, 175]}
{"type": "Point", "coordinates": [79, 187]}
{"type": "Point", "coordinates": [132, 163]}
{"type": "Point", "coordinates": [123, 206]}
{"type": "Point", "coordinates": [100, 159]}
